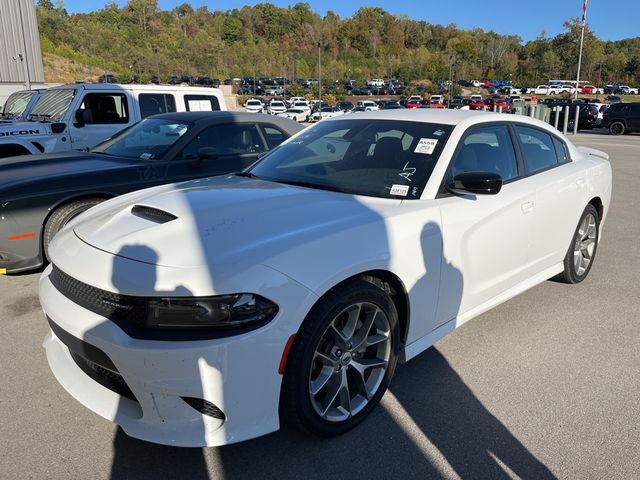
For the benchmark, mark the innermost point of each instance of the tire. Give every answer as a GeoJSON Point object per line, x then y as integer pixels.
{"type": "Point", "coordinates": [584, 246]}
{"type": "Point", "coordinates": [63, 215]}
{"type": "Point", "coordinates": [617, 128]}
{"type": "Point", "coordinates": [324, 361]}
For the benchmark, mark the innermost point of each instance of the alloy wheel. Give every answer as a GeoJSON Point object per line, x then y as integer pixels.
{"type": "Point", "coordinates": [585, 244]}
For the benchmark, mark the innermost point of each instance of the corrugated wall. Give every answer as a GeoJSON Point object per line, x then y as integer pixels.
{"type": "Point", "coordinates": [16, 17]}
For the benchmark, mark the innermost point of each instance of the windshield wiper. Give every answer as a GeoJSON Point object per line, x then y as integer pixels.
{"type": "Point", "coordinates": [42, 116]}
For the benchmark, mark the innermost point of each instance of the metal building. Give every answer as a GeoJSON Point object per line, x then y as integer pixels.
{"type": "Point", "coordinates": [20, 55]}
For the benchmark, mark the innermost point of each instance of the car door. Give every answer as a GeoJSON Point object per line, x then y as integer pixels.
{"type": "Point", "coordinates": [102, 115]}
{"type": "Point", "coordinates": [633, 121]}
{"type": "Point", "coordinates": [486, 237]}
{"type": "Point", "coordinates": [236, 146]}
{"type": "Point", "coordinates": [561, 194]}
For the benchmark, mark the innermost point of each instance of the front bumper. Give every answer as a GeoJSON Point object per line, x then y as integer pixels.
{"type": "Point", "coordinates": [239, 375]}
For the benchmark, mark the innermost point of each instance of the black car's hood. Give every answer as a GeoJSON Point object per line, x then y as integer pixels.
{"type": "Point", "coordinates": [15, 171]}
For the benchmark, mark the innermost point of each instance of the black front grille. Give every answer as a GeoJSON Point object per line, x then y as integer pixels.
{"type": "Point", "coordinates": [114, 306]}
{"type": "Point", "coordinates": [205, 407]}
{"type": "Point", "coordinates": [105, 377]}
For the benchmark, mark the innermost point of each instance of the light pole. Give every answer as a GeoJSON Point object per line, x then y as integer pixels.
{"type": "Point", "coordinates": [319, 79]}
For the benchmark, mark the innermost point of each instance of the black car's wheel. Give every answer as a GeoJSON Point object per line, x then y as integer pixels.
{"type": "Point", "coordinates": [342, 360]}
{"type": "Point", "coordinates": [584, 245]}
{"type": "Point", "coordinates": [63, 215]}
{"type": "Point", "coordinates": [617, 128]}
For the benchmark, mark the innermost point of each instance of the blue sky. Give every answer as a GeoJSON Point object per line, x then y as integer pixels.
{"type": "Point", "coordinates": [610, 20]}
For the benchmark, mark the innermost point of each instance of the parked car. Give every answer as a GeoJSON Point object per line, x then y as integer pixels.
{"type": "Point", "coordinates": [81, 115]}
{"type": "Point", "coordinates": [622, 118]}
{"type": "Point", "coordinates": [326, 112]}
{"type": "Point", "coordinates": [627, 90]}
{"type": "Point", "coordinates": [412, 103]}
{"type": "Point", "coordinates": [497, 103]}
{"type": "Point", "coordinates": [612, 99]}
{"type": "Point", "coordinates": [476, 104]}
{"type": "Point", "coordinates": [41, 195]}
{"type": "Point", "coordinates": [457, 101]}
{"type": "Point", "coordinates": [297, 114]}
{"type": "Point", "coordinates": [276, 106]}
{"type": "Point", "coordinates": [18, 105]}
{"type": "Point", "coordinates": [345, 105]}
{"type": "Point", "coordinates": [370, 105]}
{"type": "Point", "coordinates": [253, 105]}
{"type": "Point", "coordinates": [287, 294]}
{"type": "Point", "coordinates": [588, 114]}
{"type": "Point", "coordinates": [590, 90]}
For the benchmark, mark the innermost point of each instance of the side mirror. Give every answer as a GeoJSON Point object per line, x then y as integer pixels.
{"type": "Point", "coordinates": [476, 183]}
{"type": "Point", "coordinates": [204, 153]}
{"type": "Point", "coordinates": [83, 116]}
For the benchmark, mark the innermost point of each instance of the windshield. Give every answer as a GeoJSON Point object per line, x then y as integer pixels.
{"type": "Point", "coordinates": [150, 139]}
{"type": "Point", "coordinates": [53, 104]}
{"type": "Point", "coordinates": [17, 103]}
{"type": "Point", "coordinates": [380, 158]}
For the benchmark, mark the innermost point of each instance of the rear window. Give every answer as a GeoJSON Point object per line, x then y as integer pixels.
{"type": "Point", "coordinates": [154, 103]}
{"type": "Point", "coordinates": [201, 103]}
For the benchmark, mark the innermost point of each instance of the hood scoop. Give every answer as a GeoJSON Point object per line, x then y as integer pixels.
{"type": "Point", "coordinates": [152, 214]}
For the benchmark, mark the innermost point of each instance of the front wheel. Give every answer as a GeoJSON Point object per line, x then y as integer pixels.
{"type": "Point", "coordinates": [342, 360]}
{"type": "Point", "coordinates": [63, 215]}
{"type": "Point", "coordinates": [582, 251]}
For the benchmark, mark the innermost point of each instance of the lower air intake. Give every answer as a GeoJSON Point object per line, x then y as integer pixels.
{"type": "Point", "coordinates": [205, 407]}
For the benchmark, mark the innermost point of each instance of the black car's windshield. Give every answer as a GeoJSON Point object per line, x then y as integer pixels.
{"type": "Point", "coordinates": [380, 158]}
{"type": "Point", "coordinates": [53, 104]}
{"type": "Point", "coordinates": [150, 139]}
{"type": "Point", "coordinates": [17, 103]}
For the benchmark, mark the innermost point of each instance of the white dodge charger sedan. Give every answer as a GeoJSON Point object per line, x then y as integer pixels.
{"type": "Point", "coordinates": [209, 312]}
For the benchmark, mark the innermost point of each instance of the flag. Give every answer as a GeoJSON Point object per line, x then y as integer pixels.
{"type": "Point", "coordinates": [585, 3]}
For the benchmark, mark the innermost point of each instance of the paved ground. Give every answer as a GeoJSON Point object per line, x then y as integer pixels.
{"type": "Point", "coordinates": [546, 385]}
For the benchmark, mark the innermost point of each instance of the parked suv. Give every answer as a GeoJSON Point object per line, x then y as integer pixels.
{"type": "Point", "coordinates": [622, 118]}
{"type": "Point", "coordinates": [79, 116]}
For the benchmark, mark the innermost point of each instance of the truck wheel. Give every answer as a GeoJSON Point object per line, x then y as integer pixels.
{"type": "Point", "coordinates": [63, 215]}
{"type": "Point", "coordinates": [617, 128]}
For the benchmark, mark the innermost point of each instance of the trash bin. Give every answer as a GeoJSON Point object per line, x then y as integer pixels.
{"type": "Point", "coordinates": [519, 107]}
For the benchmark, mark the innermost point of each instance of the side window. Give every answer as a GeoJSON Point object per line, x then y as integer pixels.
{"type": "Point", "coordinates": [274, 136]}
{"type": "Point", "coordinates": [105, 108]}
{"type": "Point", "coordinates": [154, 103]}
{"type": "Point", "coordinates": [201, 103]}
{"type": "Point", "coordinates": [487, 149]}
{"type": "Point", "coordinates": [227, 140]}
{"type": "Point", "coordinates": [561, 150]}
{"type": "Point", "coordinates": [537, 149]}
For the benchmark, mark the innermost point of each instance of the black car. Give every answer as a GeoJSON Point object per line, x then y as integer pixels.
{"type": "Point", "coordinates": [622, 118]}
{"type": "Point", "coordinates": [40, 194]}
{"type": "Point", "coordinates": [586, 118]}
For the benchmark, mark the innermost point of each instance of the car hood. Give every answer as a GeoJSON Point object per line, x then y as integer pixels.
{"type": "Point", "coordinates": [32, 168]}
{"type": "Point", "coordinates": [226, 222]}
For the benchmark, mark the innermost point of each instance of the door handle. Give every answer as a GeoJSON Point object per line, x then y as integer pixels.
{"type": "Point", "coordinates": [527, 207]}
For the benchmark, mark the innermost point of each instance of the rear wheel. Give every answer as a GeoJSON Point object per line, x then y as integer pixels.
{"type": "Point", "coordinates": [617, 128]}
{"type": "Point", "coordinates": [342, 360]}
{"type": "Point", "coordinates": [63, 215]}
{"type": "Point", "coordinates": [582, 251]}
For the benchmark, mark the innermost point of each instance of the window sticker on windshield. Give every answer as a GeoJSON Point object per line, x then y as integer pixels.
{"type": "Point", "coordinates": [407, 171]}
{"type": "Point", "coordinates": [146, 156]}
{"type": "Point", "coordinates": [400, 190]}
{"type": "Point", "coordinates": [426, 146]}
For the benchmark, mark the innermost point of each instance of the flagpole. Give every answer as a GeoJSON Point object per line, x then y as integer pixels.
{"type": "Point", "coordinates": [584, 23]}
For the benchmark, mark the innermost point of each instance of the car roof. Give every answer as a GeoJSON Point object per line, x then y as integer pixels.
{"type": "Point", "coordinates": [220, 117]}
{"type": "Point", "coordinates": [446, 117]}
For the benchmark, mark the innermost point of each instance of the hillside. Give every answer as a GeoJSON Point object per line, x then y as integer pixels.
{"type": "Point", "coordinates": [265, 40]}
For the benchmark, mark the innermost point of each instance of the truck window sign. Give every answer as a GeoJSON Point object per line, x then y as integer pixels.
{"type": "Point", "coordinates": [19, 132]}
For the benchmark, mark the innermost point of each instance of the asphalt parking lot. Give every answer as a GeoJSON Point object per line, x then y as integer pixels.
{"type": "Point", "coordinates": [545, 386]}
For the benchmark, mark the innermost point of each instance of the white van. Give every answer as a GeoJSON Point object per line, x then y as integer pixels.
{"type": "Point", "coordinates": [81, 115]}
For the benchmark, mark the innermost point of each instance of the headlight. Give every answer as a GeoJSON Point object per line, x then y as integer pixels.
{"type": "Point", "coordinates": [220, 312]}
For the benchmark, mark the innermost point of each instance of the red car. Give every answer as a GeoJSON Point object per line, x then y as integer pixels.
{"type": "Point", "coordinates": [436, 104]}
{"type": "Point", "coordinates": [412, 104]}
{"type": "Point", "coordinates": [476, 104]}
{"type": "Point", "coordinates": [497, 102]}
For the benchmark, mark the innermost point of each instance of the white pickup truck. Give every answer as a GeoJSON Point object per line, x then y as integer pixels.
{"type": "Point", "coordinates": [79, 116]}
